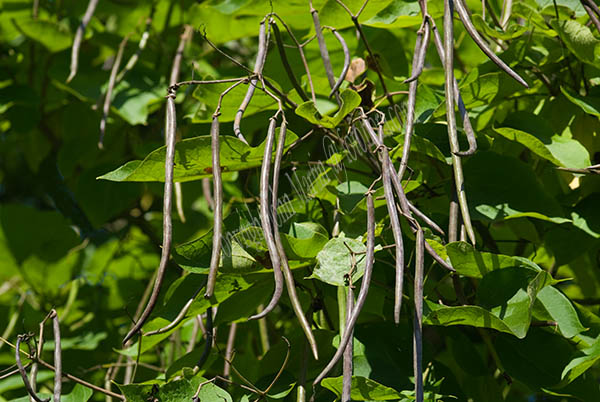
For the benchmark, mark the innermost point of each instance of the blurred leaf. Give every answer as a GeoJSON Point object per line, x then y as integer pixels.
{"type": "Point", "coordinates": [47, 33]}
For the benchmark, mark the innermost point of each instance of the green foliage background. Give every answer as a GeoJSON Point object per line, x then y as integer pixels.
{"type": "Point", "coordinates": [88, 247]}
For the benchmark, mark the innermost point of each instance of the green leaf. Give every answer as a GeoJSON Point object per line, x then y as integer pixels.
{"type": "Point", "coordinates": [513, 30]}
{"type": "Point", "coordinates": [308, 110]}
{"type": "Point", "coordinates": [474, 316]}
{"type": "Point", "coordinates": [559, 150]}
{"type": "Point", "coordinates": [78, 394]}
{"type": "Point", "coordinates": [48, 33]}
{"type": "Point", "coordinates": [585, 359]}
{"type": "Point", "coordinates": [335, 261]}
{"type": "Point", "coordinates": [558, 308]}
{"type": "Point", "coordinates": [417, 144]}
{"type": "Point", "coordinates": [193, 160]}
{"type": "Point", "coordinates": [305, 240]}
{"type": "Point", "coordinates": [350, 193]}
{"type": "Point", "coordinates": [579, 39]}
{"type": "Point", "coordinates": [363, 389]}
{"type": "Point", "coordinates": [589, 104]}
{"type": "Point", "coordinates": [473, 263]}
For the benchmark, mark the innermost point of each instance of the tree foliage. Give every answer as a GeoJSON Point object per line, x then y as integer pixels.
{"type": "Point", "coordinates": [199, 198]}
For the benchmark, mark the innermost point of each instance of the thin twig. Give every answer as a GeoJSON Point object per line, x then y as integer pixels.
{"type": "Point", "coordinates": [364, 289]}
{"type": "Point", "coordinates": [109, 90]}
{"type": "Point", "coordinates": [89, 12]}
{"type": "Point", "coordinates": [265, 220]}
{"type": "Point", "coordinates": [170, 129]}
{"type": "Point", "coordinates": [180, 316]}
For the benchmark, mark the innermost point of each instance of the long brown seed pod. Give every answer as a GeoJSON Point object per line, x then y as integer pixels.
{"type": "Point", "coordinates": [57, 358]}
{"type": "Point", "coordinates": [403, 201]}
{"type": "Point", "coordinates": [346, 51]}
{"type": "Point", "coordinates": [418, 321]}
{"type": "Point", "coordinates": [322, 47]}
{"type": "Point", "coordinates": [186, 36]}
{"type": "Point", "coordinates": [258, 68]}
{"type": "Point", "coordinates": [286, 63]}
{"type": "Point", "coordinates": [396, 230]}
{"type": "Point", "coordinates": [170, 129]}
{"type": "Point", "coordinates": [588, 6]}
{"type": "Point", "coordinates": [362, 293]}
{"type": "Point", "coordinates": [348, 351]}
{"type": "Point", "coordinates": [109, 90]}
{"type": "Point", "coordinates": [209, 338]}
{"type": "Point", "coordinates": [287, 272]}
{"type": "Point", "coordinates": [452, 134]}
{"type": "Point", "coordinates": [218, 207]}
{"type": "Point", "coordinates": [421, 44]}
{"type": "Point", "coordinates": [229, 349]}
{"type": "Point", "coordinates": [470, 133]}
{"type": "Point", "coordinates": [265, 220]}
{"type": "Point", "coordinates": [463, 14]}
{"type": "Point", "coordinates": [22, 371]}
{"type": "Point", "coordinates": [87, 16]}
{"type": "Point", "coordinates": [180, 316]}
{"type": "Point", "coordinates": [40, 349]}
{"type": "Point", "coordinates": [300, 47]}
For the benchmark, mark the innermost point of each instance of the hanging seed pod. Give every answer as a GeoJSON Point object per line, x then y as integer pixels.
{"type": "Point", "coordinates": [170, 128]}
{"type": "Point", "coordinates": [89, 12]}
{"type": "Point", "coordinates": [265, 220]}
{"type": "Point", "coordinates": [418, 321]}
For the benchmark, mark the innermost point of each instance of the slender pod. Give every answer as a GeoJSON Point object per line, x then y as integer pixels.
{"type": "Point", "coordinates": [587, 5]}
{"type": "Point", "coordinates": [299, 46]}
{"type": "Point", "coordinates": [425, 219]}
{"type": "Point", "coordinates": [287, 272]}
{"type": "Point", "coordinates": [39, 350]}
{"type": "Point", "coordinates": [591, 4]}
{"type": "Point", "coordinates": [265, 220]}
{"type": "Point", "coordinates": [141, 46]}
{"type": "Point", "coordinates": [340, 80]}
{"type": "Point", "coordinates": [404, 203]}
{"type": "Point", "coordinates": [286, 63]}
{"type": "Point", "coordinates": [57, 358]}
{"type": "Point", "coordinates": [186, 36]}
{"type": "Point", "coordinates": [30, 391]}
{"type": "Point", "coordinates": [348, 351]}
{"type": "Point", "coordinates": [463, 14]}
{"type": "Point", "coordinates": [421, 45]}
{"type": "Point", "coordinates": [258, 68]}
{"type": "Point", "coordinates": [452, 134]}
{"type": "Point", "coordinates": [229, 349]}
{"type": "Point", "coordinates": [362, 293]}
{"type": "Point", "coordinates": [209, 338]}
{"type": "Point", "coordinates": [87, 16]}
{"type": "Point", "coordinates": [218, 207]}
{"type": "Point", "coordinates": [396, 230]}
{"type": "Point", "coordinates": [453, 219]}
{"type": "Point", "coordinates": [322, 46]}
{"type": "Point", "coordinates": [109, 90]}
{"type": "Point", "coordinates": [418, 321]}
{"type": "Point", "coordinates": [417, 66]}
{"type": "Point", "coordinates": [457, 98]}
{"type": "Point", "coordinates": [170, 128]}
{"type": "Point", "coordinates": [180, 316]}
